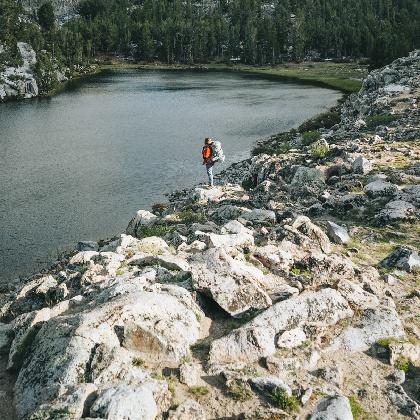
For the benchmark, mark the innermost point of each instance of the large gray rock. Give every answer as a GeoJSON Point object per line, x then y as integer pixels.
{"type": "Point", "coordinates": [157, 325]}
{"type": "Point", "coordinates": [306, 179]}
{"type": "Point", "coordinates": [241, 239]}
{"type": "Point", "coordinates": [396, 211]}
{"type": "Point", "coordinates": [337, 233]}
{"type": "Point", "coordinates": [361, 165]}
{"type": "Point", "coordinates": [170, 262]}
{"type": "Point", "coordinates": [260, 216]}
{"type": "Point", "coordinates": [126, 402]}
{"type": "Point", "coordinates": [356, 295]}
{"type": "Point", "coordinates": [303, 225]}
{"type": "Point", "coordinates": [72, 402]}
{"type": "Point", "coordinates": [25, 328]}
{"type": "Point", "coordinates": [233, 284]}
{"type": "Point", "coordinates": [380, 188]}
{"type": "Point", "coordinates": [332, 408]}
{"type": "Point", "coordinates": [402, 257]}
{"type": "Point", "coordinates": [188, 410]}
{"type": "Point", "coordinates": [403, 402]}
{"type": "Point", "coordinates": [142, 218]}
{"type": "Point", "coordinates": [256, 339]}
{"type": "Point", "coordinates": [5, 337]}
{"type": "Point", "coordinates": [382, 322]}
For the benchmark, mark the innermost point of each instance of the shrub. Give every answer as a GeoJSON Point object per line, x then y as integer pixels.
{"type": "Point", "coordinates": [356, 408]}
{"type": "Point", "coordinates": [319, 149]}
{"type": "Point", "coordinates": [138, 362]}
{"type": "Point", "coordinates": [155, 230]}
{"type": "Point", "coordinates": [403, 363]}
{"type": "Point", "coordinates": [379, 119]}
{"type": "Point", "coordinates": [199, 390]}
{"type": "Point", "coordinates": [192, 216]}
{"type": "Point", "coordinates": [308, 137]}
{"type": "Point", "coordinates": [240, 391]}
{"type": "Point", "coordinates": [325, 120]}
{"type": "Point", "coordinates": [385, 342]}
{"type": "Point", "coordinates": [280, 399]}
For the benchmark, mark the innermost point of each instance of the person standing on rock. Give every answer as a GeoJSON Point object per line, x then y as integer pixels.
{"type": "Point", "coordinates": [212, 153]}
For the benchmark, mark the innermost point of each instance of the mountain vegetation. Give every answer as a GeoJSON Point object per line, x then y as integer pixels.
{"type": "Point", "coordinates": [250, 31]}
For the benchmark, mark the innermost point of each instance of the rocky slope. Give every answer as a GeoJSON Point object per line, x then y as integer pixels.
{"type": "Point", "coordinates": [290, 291]}
{"type": "Point", "coordinates": [19, 82]}
{"type": "Point", "coordinates": [33, 76]}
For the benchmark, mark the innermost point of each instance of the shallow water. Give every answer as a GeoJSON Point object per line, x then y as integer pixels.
{"type": "Point", "coordinates": [79, 165]}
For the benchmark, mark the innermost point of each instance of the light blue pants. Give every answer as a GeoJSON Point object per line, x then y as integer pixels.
{"type": "Point", "coordinates": [209, 168]}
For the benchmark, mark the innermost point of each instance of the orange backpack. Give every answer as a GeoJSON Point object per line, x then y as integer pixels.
{"type": "Point", "coordinates": [206, 152]}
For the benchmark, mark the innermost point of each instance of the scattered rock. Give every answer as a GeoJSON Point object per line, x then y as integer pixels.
{"type": "Point", "coordinates": [382, 322]}
{"type": "Point", "coordinates": [402, 401]}
{"type": "Point", "coordinates": [190, 374]}
{"type": "Point", "coordinates": [292, 338]}
{"type": "Point", "coordinates": [398, 377]}
{"type": "Point", "coordinates": [361, 165]}
{"type": "Point", "coordinates": [332, 408]}
{"type": "Point", "coordinates": [407, 351]}
{"type": "Point", "coordinates": [233, 284]}
{"type": "Point", "coordinates": [256, 338]}
{"type": "Point", "coordinates": [396, 211]}
{"type": "Point", "coordinates": [337, 233]}
{"type": "Point", "coordinates": [188, 410]}
{"type": "Point", "coordinates": [267, 384]}
{"type": "Point", "coordinates": [142, 218]}
{"type": "Point", "coordinates": [402, 257]}
{"type": "Point", "coordinates": [87, 246]}
{"type": "Point", "coordinates": [380, 188]}
{"type": "Point", "coordinates": [332, 375]}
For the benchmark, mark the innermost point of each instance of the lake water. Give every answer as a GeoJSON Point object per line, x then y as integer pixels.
{"type": "Point", "coordinates": [79, 165]}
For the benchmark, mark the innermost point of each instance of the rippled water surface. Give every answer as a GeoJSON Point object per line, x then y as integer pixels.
{"type": "Point", "coordinates": [79, 165]}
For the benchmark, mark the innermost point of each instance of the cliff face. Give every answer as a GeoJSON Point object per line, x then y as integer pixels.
{"type": "Point", "coordinates": [64, 9]}
{"type": "Point", "coordinates": [19, 82]}
{"type": "Point", "coordinates": [291, 288]}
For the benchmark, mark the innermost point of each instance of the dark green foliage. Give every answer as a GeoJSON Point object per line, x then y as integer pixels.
{"type": "Point", "coordinates": [155, 230]}
{"type": "Point", "coordinates": [309, 137]}
{"type": "Point", "coordinates": [325, 120]}
{"type": "Point", "coordinates": [379, 119]}
{"type": "Point", "coordinates": [178, 31]}
{"type": "Point", "coordinates": [280, 399]}
{"type": "Point", "coordinates": [46, 16]}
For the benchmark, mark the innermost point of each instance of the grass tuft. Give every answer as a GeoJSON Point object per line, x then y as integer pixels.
{"type": "Point", "coordinates": [403, 363]}
{"type": "Point", "coordinates": [199, 390]}
{"type": "Point", "coordinates": [155, 230]}
{"type": "Point", "coordinates": [240, 391]}
{"type": "Point", "coordinates": [379, 119]}
{"type": "Point", "coordinates": [138, 362]}
{"type": "Point", "coordinates": [280, 399]}
{"type": "Point", "coordinates": [309, 137]}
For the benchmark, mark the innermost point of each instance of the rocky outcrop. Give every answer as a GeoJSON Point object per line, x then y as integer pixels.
{"type": "Point", "coordinates": [296, 278]}
{"type": "Point", "coordinates": [19, 82]}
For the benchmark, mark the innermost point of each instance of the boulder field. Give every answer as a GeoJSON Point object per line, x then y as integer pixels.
{"type": "Point", "coordinates": [290, 290]}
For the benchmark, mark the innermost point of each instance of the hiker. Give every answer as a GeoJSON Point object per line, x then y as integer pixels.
{"type": "Point", "coordinates": [212, 152]}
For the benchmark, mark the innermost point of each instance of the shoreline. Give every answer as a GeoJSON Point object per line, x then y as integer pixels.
{"type": "Point", "coordinates": [67, 250]}
{"type": "Point", "coordinates": [322, 74]}
{"type": "Point", "coordinates": [310, 267]}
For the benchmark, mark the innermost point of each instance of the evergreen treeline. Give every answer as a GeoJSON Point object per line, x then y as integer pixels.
{"type": "Point", "coordinates": [254, 31]}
